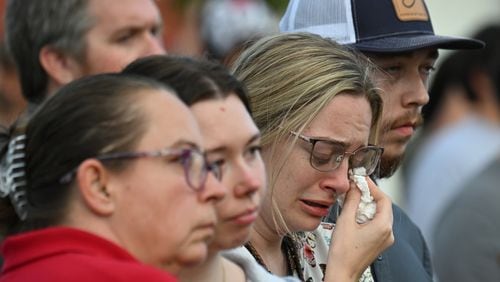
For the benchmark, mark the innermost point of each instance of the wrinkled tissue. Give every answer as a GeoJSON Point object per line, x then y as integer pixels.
{"type": "Point", "coordinates": [367, 206]}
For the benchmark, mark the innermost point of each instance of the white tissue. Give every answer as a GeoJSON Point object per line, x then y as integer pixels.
{"type": "Point", "coordinates": [367, 207]}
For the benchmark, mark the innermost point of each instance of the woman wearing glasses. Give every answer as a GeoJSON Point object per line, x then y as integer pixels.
{"type": "Point", "coordinates": [318, 114]}
{"type": "Point", "coordinates": [103, 184]}
{"type": "Point", "coordinates": [232, 142]}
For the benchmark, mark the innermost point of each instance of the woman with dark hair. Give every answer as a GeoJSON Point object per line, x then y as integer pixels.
{"type": "Point", "coordinates": [232, 141]}
{"type": "Point", "coordinates": [103, 184]}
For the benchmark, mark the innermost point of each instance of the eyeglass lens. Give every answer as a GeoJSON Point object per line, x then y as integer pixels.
{"type": "Point", "coordinates": [195, 168]}
{"type": "Point", "coordinates": [327, 156]}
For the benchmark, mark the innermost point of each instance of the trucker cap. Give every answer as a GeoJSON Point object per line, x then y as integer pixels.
{"type": "Point", "coordinates": [381, 26]}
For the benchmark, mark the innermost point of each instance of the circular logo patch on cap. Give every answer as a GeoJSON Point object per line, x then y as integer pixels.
{"type": "Point", "coordinates": [410, 10]}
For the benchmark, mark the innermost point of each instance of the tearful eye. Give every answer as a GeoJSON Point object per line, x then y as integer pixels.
{"type": "Point", "coordinates": [339, 158]}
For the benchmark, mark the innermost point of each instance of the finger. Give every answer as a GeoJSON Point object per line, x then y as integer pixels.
{"type": "Point", "coordinates": [351, 201]}
{"type": "Point", "coordinates": [378, 195]}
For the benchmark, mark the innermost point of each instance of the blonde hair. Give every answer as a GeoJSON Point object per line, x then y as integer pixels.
{"type": "Point", "coordinates": [291, 77]}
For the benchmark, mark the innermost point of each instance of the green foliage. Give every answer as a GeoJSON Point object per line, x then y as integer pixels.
{"type": "Point", "coordinates": [278, 5]}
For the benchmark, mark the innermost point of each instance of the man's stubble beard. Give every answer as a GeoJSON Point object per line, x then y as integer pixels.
{"type": "Point", "coordinates": [388, 166]}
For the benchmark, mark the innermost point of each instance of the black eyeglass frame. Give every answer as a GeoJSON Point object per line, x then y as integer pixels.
{"type": "Point", "coordinates": [338, 160]}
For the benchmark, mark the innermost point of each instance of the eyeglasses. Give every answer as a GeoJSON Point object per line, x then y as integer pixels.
{"type": "Point", "coordinates": [327, 155]}
{"type": "Point", "coordinates": [193, 161]}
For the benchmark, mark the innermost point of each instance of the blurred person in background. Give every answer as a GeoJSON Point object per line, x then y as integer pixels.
{"type": "Point", "coordinates": [463, 134]}
{"type": "Point", "coordinates": [12, 103]}
{"type": "Point", "coordinates": [466, 246]}
{"type": "Point", "coordinates": [398, 37]}
{"type": "Point", "coordinates": [464, 229]}
{"type": "Point", "coordinates": [226, 25]}
{"type": "Point", "coordinates": [56, 41]}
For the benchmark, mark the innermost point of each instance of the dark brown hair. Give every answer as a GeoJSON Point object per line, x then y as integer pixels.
{"type": "Point", "coordinates": [88, 117]}
{"type": "Point", "coordinates": [194, 80]}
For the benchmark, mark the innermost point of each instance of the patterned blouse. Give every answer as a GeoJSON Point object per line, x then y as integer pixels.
{"type": "Point", "coordinates": [313, 247]}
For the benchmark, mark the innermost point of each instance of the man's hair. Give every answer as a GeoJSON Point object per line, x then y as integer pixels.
{"type": "Point", "coordinates": [33, 24]}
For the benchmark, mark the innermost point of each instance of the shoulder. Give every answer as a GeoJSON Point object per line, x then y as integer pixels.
{"type": "Point", "coordinates": [403, 226]}
{"type": "Point", "coordinates": [408, 258]}
{"type": "Point", "coordinates": [477, 259]}
{"type": "Point", "coordinates": [232, 270]}
{"type": "Point", "coordinates": [253, 271]}
{"type": "Point", "coordinates": [79, 269]}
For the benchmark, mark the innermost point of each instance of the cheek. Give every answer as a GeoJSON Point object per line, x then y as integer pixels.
{"type": "Point", "coordinates": [174, 217]}
{"type": "Point", "coordinates": [163, 206]}
{"type": "Point", "coordinates": [108, 59]}
{"type": "Point", "coordinates": [295, 178]}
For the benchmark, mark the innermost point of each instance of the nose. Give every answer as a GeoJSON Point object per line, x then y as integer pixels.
{"type": "Point", "coordinates": [417, 95]}
{"type": "Point", "coordinates": [214, 190]}
{"type": "Point", "coordinates": [247, 180]}
{"type": "Point", "coordinates": [337, 180]}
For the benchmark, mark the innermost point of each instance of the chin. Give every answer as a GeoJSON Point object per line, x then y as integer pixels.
{"type": "Point", "coordinates": [229, 239]}
{"type": "Point", "coordinates": [193, 256]}
{"type": "Point", "coordinates": [305, 223]}
{"type": "Point", "coordinates": [390, 163]}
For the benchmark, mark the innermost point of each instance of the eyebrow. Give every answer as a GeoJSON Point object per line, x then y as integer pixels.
{"type": "Point", "coordinates": [254, 138]}
{"type": "Point", "coordinates": [327, 139]}
{"type": "Point", "coordinates": [183, 143]}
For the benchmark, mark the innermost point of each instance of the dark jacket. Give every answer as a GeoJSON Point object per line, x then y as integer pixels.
{"type": "Point", "coordinates": [408, 259]}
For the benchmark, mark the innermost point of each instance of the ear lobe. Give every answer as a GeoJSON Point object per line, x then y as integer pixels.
{"type": "Point", "coordinates": [93, 180]}
{"type": "Point", "coordinates": [61, 67]}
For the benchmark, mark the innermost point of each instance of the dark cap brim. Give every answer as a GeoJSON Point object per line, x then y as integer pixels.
{"type": "Point", "coordinates": [415, 42]}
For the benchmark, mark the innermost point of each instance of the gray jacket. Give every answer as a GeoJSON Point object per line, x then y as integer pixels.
{"type": "Point", "coordinates": [467, 237]}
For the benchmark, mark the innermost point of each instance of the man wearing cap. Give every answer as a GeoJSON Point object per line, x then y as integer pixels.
{"type": "Point", "coordinates": [56, 41]}
{"type": "Point", "coordinates": [397, 35]}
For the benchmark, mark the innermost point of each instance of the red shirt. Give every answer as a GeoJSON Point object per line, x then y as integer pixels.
{"type": "Point", "coordinates": [66, 254]}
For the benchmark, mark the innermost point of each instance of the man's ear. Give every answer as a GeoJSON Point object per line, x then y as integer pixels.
{"type": "Point", "coordinates": [60, 67]}
{"type": "Point", "coordinates": [94, 186]}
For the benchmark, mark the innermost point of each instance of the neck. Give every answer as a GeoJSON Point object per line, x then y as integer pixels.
{"type": "Point", "coordinates": [211, 270]}
{"type": "Point", "coordinates": [266, 242]}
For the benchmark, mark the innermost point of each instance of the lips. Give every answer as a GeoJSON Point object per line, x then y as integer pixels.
{"type": "Point", "coordinates": [247, 217]}
{"type": "Point", "coordinates": [406, 125]}
{"type": "Point", "coordinates": [405, 130]}
{"type": "Point", "coordinates": [316, 208]}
